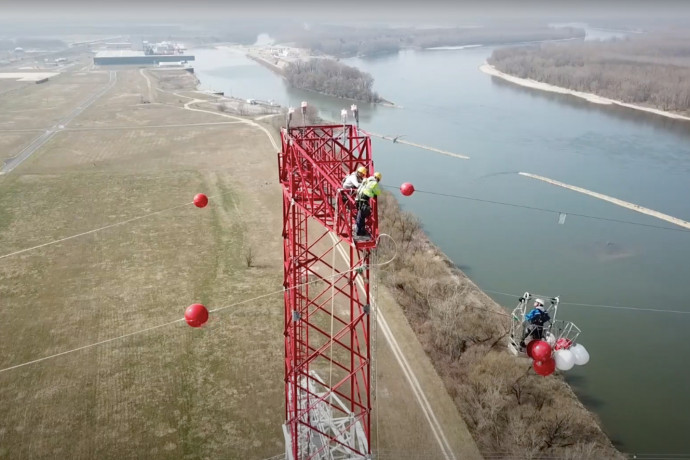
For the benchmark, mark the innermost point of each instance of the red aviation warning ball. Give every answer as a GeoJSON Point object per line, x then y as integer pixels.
{"type": "Point", "coordinates": [545, 367]}
{"type": "Point", "coordinates": [541, 351]}
{"type": "Point", "coordinates": [530, 346]}
{"type": "Point", "coordinates": [563, 343]}
{"type": "Point", "coordinates": [407, 189]}
{"type": "Point", "coordinates": [196, 315]}
{"type": "Point", "coordinates": [200, 200]}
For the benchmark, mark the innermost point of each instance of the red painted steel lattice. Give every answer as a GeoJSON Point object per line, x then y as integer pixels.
{"type": "Point", "coordinates": [326, 309]}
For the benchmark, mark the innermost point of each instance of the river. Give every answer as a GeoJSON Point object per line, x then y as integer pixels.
{"type": "Point", "coordinates": [638, 374]}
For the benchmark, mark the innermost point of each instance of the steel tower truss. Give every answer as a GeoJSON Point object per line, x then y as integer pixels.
{"type": "Point", "coordinates": [327, 342]}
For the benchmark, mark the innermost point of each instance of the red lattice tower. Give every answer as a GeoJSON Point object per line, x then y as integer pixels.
{"type": "Point", "coordinates": [327, 303]}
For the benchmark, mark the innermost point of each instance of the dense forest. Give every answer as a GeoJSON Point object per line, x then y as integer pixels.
{"type": "Point", "coordinates": [333, 78]}
{"type": "Point", "coordinates": [650, 70]}
{"type": "Point", "coordinates": [343, 41]}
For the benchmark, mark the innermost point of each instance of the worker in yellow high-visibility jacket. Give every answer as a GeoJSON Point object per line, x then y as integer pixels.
{"type": "Point", "coordinates": [368, 190]}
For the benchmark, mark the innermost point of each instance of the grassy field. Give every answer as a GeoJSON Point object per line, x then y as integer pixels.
{"type": "Point", "coordinates": [173, 391]}
{"type": "Point", "coordinates": [41, 106]}
{"type": "Point", "coordinates": [12, 142]}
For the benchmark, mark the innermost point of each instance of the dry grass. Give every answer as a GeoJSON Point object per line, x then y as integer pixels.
{"type": "Point", "coordinates": [8, 85]}
{"type": "Point", "coordinates": [11, 143]}
{"type": "Point", "coordinates": [174, 392]}
{"type": "Point", "coordinates": [199, 147]}
{"type": "Point", "coordinates": [173, 80]}
{"type": "Point", "coordinates": [122, 397]}
{"type": "Point", "coordinates": [41, 106]}
{"type": "Point", "coordinates": [178, 390]}
{"type": "Point", "coordinates": [126, 105]}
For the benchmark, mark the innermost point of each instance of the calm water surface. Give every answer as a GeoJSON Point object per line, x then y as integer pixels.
{"type": "Point", "coordinates": [638, 375]}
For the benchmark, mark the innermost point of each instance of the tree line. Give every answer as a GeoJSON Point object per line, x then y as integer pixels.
{"type": "Point", "coordinates": [649, 70]}
{"type": "Point", "coordinates": [333, 78]}
{"type": "Point", "coordinates": [343, 41]}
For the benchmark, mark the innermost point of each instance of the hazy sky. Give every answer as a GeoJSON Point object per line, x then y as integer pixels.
{"type": "Point", "coordinates": [458, 11]}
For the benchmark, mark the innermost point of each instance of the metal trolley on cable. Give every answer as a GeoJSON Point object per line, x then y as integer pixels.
{"type": "Point", "coordinates": [536, 332]}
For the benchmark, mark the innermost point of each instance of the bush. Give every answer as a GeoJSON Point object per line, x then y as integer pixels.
{"type": "Point", "coordinates": [507, 406]}
{"type": "Point", "coordinates": [330, 77]}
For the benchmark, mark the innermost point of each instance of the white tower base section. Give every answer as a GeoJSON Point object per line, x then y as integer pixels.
{"type": "Point", "coordinates": [347, 430]}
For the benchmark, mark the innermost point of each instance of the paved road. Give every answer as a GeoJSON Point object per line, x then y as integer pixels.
{"type": "Point", "coordinates": [37, 143]}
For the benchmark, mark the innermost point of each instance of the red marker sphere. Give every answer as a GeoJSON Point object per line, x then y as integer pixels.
{"type": "Point", "coordinates": [544, 367]}
{"type": "Point", "coordinates": [541, 351]}
{"type": "Point", "coordinates": [563, 344]}
{"type": "Point", "coordinates": [196, 315]}
{"type": "Point", "coordinates": [407, 189]}
{"type": "Point", "coordinates": [200, 200]}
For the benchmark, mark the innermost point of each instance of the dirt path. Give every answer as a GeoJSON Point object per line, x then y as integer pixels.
{"type": "Point", "coordinates": [148, 84]}
{"type": "Point", "coordinates": [427, 387]}
{"type": "Point", "coordinates": [187, 106]}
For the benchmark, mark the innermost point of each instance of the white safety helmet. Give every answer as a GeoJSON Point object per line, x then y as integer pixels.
{"type": "Point", "coordinates": [538, 303]}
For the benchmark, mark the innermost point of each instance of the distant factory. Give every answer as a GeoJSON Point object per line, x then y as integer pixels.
{"type": "Point", "coordinates": [152, 54]}
{"type": "Point", "coordinates": [163, 48]}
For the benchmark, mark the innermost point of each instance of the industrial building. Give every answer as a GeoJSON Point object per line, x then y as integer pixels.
{"type": "Point", "coordinates": [163, 48]}
{"type": "Point", "coordinates": [132, 57]}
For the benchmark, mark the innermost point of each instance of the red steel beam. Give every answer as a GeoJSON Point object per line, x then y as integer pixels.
{"type": "Point", "coordinates": [312, 163]}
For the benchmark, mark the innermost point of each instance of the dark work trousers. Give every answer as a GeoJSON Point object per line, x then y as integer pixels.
{"type": "Point", "coordinates": [535, 331]}
{"type": "Point", "coordinates": [363, 211]}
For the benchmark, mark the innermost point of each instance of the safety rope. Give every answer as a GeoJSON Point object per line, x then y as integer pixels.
{"type": "Point", "coordinates": [374, 351]}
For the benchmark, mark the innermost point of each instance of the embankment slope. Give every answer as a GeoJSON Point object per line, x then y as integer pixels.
{"type": "Point", "coordinates": [508, 408]}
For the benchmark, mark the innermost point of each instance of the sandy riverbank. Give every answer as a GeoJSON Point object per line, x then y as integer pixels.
{"type": "Point", "coordinates": [529, 83]}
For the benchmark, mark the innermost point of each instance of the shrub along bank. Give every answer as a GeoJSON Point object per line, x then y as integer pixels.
{"type": "Point", "coordinates": [509, 409]}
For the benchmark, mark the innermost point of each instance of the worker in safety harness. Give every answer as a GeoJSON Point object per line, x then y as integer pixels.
{"type": "Point", "coordinates": [353, 180]}
{"type": "Point", "coordinates": [367, 190]}
{"type": "Point", "coordinates": [536, 319]}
